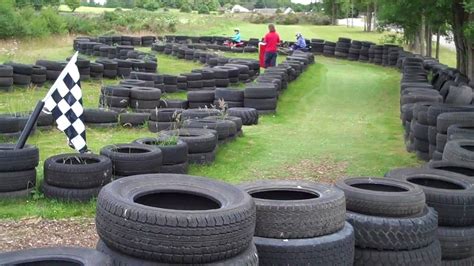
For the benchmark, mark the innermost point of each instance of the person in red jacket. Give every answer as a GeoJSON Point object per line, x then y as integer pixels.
{"type": "Point", "coordinates": [271, 40]}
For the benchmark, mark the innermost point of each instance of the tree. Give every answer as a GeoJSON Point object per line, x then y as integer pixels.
{"type": "Point", "coordinates": [73, 4]}
{"type": "Point", "coordinates": [203, 9]}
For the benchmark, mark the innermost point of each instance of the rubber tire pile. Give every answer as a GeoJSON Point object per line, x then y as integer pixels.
{"type": "Point", "coordinates": [17, 170]}
{"type": "Point", "coordinates": [451, 194]}
{"type": "Point", "coordinates": [391, 222]}
{"type": "Point", "coordinates": [432, 109]}
{"type": "Point", "coordinates": [301, 223]}
{"type": "Point", "coordinates": [75, 177]}
{"type": "Point", "coordinates": [185, 219]}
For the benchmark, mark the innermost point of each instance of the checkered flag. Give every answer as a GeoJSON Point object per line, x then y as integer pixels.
{"type": "Point", "coordinates": [64, 101]}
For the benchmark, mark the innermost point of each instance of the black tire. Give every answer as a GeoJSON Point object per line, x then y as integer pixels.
{"type": "Point", "coordinates": [133, 119]}
{"type": "Point", "coordinates": [166, 114]}
{"type": "Point", "coordinates": [260, 91]}
{"type": "Point", "coordinates": [18, 160]}
{"type": "Point", "coordinates": [9, 124]}
{"type": "Point", "coordinates": [456, 242]}
{"type": "Point", "coordinates": [200, 96]}
{"type": "Point", "coordinates": [261, 104]}
{"type": "Point", "coordinates": [459, 150]}
{"type": "Point", "coordinates": [198, 140]}
{"type": "Point", "coordinates": [100, 116]}
{"type": "Point", "coordinates": [172, 153]}
{"type": "Point", "coordinates": [296, 209]}
{"type": "Point", "coordinates": [248, 258]}
{"type": "Point", "coordinates": [333, 249]}
{"type": "Point", "coordinates": [401, 233]}
{"type": "Point", "coordinates": [426, 256]}
{"type": "Point", "coordinates": [77, 170]}
{"type": "Point", "coordinates": [55, 256]}
{"type": "Point", "coordinates": [69, 194]}
{"type": "Point", "coordinates": [17, 180]}
{"type": "Point", "coordinates": [458, 167]}
{"type": "Point", "coordinates": [459, 129]}
{"type": "Point", "coordinates": [229, 94]}
{"type": "Point", "coordinates": [6, 71]}
{"type": "Point", "coordinates": [420, 131]}
{"type": "Point", "coordinates": [459, 95]}
{"type": "Point", "coordinates": [180, 168]}
{"type": "Point", "coordinates": [133, 159]}
{"type": "Point", "coordinates": [196, 220]}
{"type": "Point", "coordinates": [450, 194]}
{"type": "Point", "coordinates": [224, 128]}
{"type": "Point", "coordinates": [435, 110]}
{"type": "Point", "coordinates": [144, 104]}
{"type": "Point", "coordinates": [460, 262]}
{"type": "Point", "coordinates": [204, 158]}
{"type": "Point", "coordinates": [145, 93]}
{"type": "Point", "coordinates": [463, 119]}
{"type": "Point", "coordinates": [199, 113]}
{"type": "Point", "coordinates": [235, 119]}
{"type": "Point", "coordinates": [116, 101]}
{"type": "Point", "coordinates": [249, 116]}
{"type": "Point", "coordinates": [382, 196]}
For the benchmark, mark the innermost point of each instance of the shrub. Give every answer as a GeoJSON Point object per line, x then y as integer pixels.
{"type": "Point", "coordinates": [203, 9]}
{"type": "Point", "coordinates": [55, 23]}
{"type": "Point", "coordinates": [185, 8]}
{"type": "Point", "coordinates": [8, 20]}
{"type": "Point", "coordinates": [289, 19]}
{"type": "Point", "coordinates": [151, 5]}
{"type": "Point", "coordinates": [73, 4]}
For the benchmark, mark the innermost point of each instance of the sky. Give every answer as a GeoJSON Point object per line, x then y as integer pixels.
{"type": "Point", "coordinates": [305, 2]}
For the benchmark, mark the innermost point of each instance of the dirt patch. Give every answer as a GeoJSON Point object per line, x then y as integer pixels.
{"type": "Point", "coordinates": [324, 170]}
{"type": "Point", "coordinates": [38, 232]}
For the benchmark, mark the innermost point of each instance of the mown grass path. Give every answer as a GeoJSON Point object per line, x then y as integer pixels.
{"type": "Point", "coordinates": [337, 112]}
{"type": "Point", "coordinates": [339, 118]}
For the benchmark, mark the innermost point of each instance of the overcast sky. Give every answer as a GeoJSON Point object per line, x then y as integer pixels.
{"type": "Point", "coordinates": [305, 2]}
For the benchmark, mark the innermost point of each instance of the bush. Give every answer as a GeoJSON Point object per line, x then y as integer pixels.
{"type": "Point", "coordinates": [8, 20]}
{"type": "Point", "coordinates": [151, 6]}
{"type": "Point", "coordinates": [185, 9]}
{"type": "Point", "coordinates": [316, 19]}
{"type": "Point", "coordinates": [203, 9]}
{"type": "Point", "coordinates": [55, 23]}
{"type": "Point", "coordinates": [289, 19]}
{"type": "Point", "coordinates": [73, 4]}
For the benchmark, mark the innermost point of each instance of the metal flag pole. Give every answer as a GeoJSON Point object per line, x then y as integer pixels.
{"type": "Point", "coordinates": [29, 126]}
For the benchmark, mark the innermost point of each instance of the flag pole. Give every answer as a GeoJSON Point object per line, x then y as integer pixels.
{"type": "Point", "coordinates": [29, 126]}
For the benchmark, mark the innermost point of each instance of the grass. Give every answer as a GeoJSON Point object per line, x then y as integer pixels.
{"type": "Point", "coordinates": [88, 9]}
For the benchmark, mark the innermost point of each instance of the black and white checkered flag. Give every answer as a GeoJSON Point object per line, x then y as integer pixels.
{"type": "Point", "coordinates": [64, 101]}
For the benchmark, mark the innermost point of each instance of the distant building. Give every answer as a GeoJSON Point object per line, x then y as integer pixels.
{"type": "Point", "coordinates": [269, 11]}
{"type": "Point", "coordinates": [239, 9]}
{"type": "Point", "coordinates": [288, 10]}
{"type": "Point", "coordinates": [100, 2]}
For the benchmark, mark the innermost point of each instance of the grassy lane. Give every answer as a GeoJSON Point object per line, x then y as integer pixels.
{"type": "Point", "coordinates": [339, 118]}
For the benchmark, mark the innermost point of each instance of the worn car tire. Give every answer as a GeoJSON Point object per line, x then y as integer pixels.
{"type": "Point", "coordinates": [382, 196]}
{"type": "Point", "coordinates": [55, 256]}
{"type": "Point", "coordinates": [18, 160]}
{"type": "Point", "coordinates": [17, 180]}
{"type": "Point", "coordinates": [69, 194]}
{"type": "Point", "coordinates": [133, 159]}
{"type": "Point", "coordinates": [185, 219]}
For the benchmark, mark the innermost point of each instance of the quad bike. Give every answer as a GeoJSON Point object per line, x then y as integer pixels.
{"type": "Point", "coordinates": [232, 44]}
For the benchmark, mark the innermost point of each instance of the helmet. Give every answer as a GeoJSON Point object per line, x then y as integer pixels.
{"type": "Point", "coordinates": [298, 35]}
{"type": "Point", "coordinates": [237, 29]}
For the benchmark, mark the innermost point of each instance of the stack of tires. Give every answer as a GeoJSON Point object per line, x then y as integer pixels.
{"type": "Point", "coordinates": [317, 46]}
{"type": "Point", "coordinates": [97, 71]}
{"type": "Point", "coordinates": [9, 127]}
{"type": "Point", "coordinates": [342, 48]}
{"type": "Point", "coordinates": [114, 97]}
{"type": "Point", "coordinates": [459, 144]}
{"type": "Point", "coordinates": [226, 129]}
{"type": "Point", "coordinates": [101, 118]}
{"type": "Point", "coordinates": [221, 77]}
{"type": "Point", "coordinates": [147, 40]}
{"type": "Point", "coordinates": [329, 49]}
{"type": "Point", "coordinates": [133, 159]}
{"type": "Point", "coordinates": [301, 223]}
{"type": "Point", "coordinates": [391, 221]}
{"type": "Point", "coordinates": [451, 195]}
{"type": "Point", "coordinates": [175, 154]}
{"type": "Point", "coordinates": [202, 143]}
{"type": "Point", "coordinates": [84, 67]}
{"type": "Point", "coordinates": [130, 119]}
{"type": "Point", "coordinates": [38, 75]}
{"type": "Point", "coordinates": [21, 74]}
{"type": "Point", "coordinates": [460, 122]}
{"type": "Point", "coordinates": [6, 77]}
{"type": "Point", "coordinates": [17, 170]}
{"type": "Point", "coordinates": [170, 83]}
{"type": "Point", "coordinates": [393, 54]}
{"type": "Point", "coordinates": [124, 68]}
{"type": "Point", "coordinates": [130, 83]}
{"type": "Point", "coordinates": [230, 97]}
{"type": "Point", "coordinates": [200, 99]}
{"type": "Point", "coordinates": [122, 51]}
{"type": "Point", "coordinates": [75, 177]}
{"type": "Point", "coordinates": [364, 51]}
{"type": "Point", "coordinates": [110, 67]}
{"type": "Point", "coordinates": [164, 119]}
{"type": "Point", "coordinates": [194, 81]}
{"type": "Point", "coordinates": [182, 83]}
{"type": "Point", "coordinates": [354, 51]}
{"type": "Point", "coordinates": [377, 54]}
{"type": "Point", "coordinates": [244, 71]}
{"type": "Point", "coordinates": [232, 74]}
{"type": "Point", "coordinates": [238, 124]}
{"type": "Point", "coordinates": [191, 224]}
{"type": "Point", "coordinates": [207, 78]}
{"type": "Point", "coordinates": [144, 99]}
{"type": "Point", "coordinates": [261, 96]}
